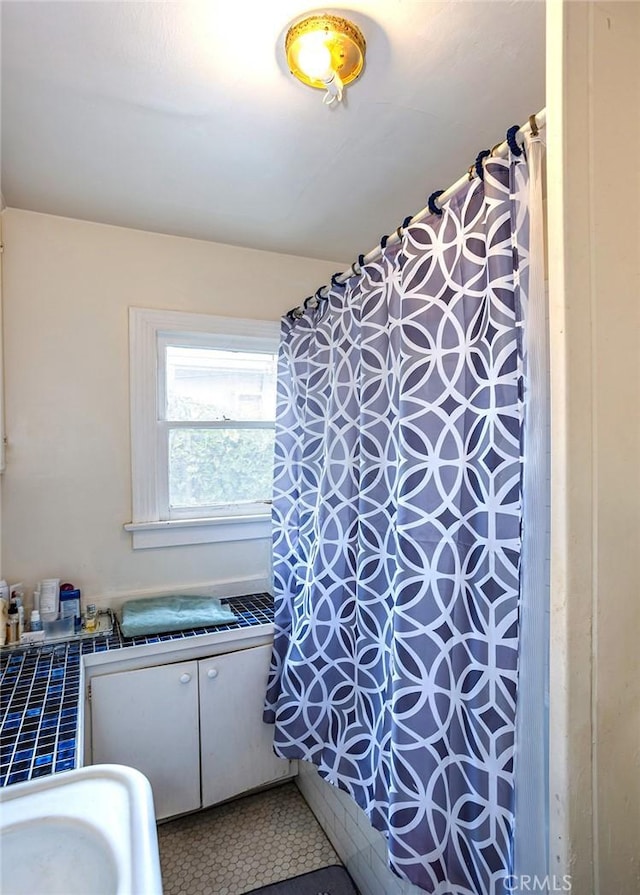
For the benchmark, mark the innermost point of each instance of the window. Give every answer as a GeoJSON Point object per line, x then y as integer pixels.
{"type": "Point", "coordinates": [215, 427]}
{"type": "Point", "coordinates": [203, 394]}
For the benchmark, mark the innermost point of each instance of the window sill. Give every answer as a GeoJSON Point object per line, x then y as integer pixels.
{"type": "Point", "coordinates": [181, 532]}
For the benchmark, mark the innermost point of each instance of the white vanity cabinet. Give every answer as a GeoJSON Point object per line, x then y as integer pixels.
{"type": "Point", "coordinates": [236, 749]}
{"type": "Point", "coordinates": [148, 719]}
{"type": "Point", "coordinates": [193, 728]}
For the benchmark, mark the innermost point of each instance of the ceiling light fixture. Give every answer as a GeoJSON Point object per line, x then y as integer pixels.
{"type": "Point", "coordinates": [327, 52]}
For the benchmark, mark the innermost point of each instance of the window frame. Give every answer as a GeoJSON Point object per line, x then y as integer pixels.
{"type": "Point", "coordinates": [148, 332]}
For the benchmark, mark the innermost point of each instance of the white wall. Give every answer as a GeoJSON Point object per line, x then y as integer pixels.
{"type": "Point", "coordinates": [68, 285]}
{"type": "Point", "coordinates": [594, 276]}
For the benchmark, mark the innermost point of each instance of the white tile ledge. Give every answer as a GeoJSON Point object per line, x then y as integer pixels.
{"type": "Point", "coordinates": [180, 532]}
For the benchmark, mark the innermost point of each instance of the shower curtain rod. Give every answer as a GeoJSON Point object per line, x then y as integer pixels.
{"type": "Point", "coordinates": [499, 151]}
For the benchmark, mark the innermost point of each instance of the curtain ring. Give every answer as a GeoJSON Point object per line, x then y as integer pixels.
{"type": "Point", "coordinates": [403, 226]}
{"type": "Point", "coordinates": [533, 124]}
{"type": "Point", "coordinates": [306, 303]}
{"type": "Point", "coordinates": [512, 141]}
{"type": "Point", "coordinates": [431, 204]}
{"type": "Point", "coordinates": [356, 267]}
{"type": "Point", "coordinates": [481, 156]}
{"type": "Point", "coordinates": [334, 280]}
{"type": "Point", "coordinates": [383, 242]}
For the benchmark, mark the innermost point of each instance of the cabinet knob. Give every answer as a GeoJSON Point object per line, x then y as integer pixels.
{"type": "Point", "coordinates": [213, 672]}
{"type": "Point", "coordinates": [185, 678]}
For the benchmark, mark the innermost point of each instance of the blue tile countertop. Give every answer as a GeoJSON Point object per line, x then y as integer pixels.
{"type": "Point", "coordinates": [40, 691]}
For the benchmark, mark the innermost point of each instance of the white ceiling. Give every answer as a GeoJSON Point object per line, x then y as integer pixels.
{"type": "Point", "coordinates": [181, 117]}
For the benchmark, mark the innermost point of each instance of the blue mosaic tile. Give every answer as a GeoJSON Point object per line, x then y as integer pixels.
{"type": "Point", "coordinates": [47, 758]}
{"type": "Point", "coordinates": [18, 777]}
{"type": "Point", "coordinates": [21, 754]}
{"type": "Point", "coordinates": [40, 691]}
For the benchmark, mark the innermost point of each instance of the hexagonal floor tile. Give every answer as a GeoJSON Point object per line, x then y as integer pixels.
{"type": "Point", "coordinates": [244, 844]}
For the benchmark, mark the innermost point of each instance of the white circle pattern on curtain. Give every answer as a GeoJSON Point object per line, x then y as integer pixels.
{"type": "Point", "coordinates": [397, 516]}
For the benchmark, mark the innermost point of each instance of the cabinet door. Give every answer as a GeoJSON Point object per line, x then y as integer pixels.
{"type": "Point", "coordinates": [236, 745]}
{"type": "Point", "coordinates": [148, 719]}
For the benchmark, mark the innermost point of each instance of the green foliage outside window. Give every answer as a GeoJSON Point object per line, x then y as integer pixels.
{"type": "Point", "coordinates": [218, 466]}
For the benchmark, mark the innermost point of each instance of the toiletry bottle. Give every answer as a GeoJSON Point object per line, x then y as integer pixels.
{"type": "Point", "coordinates": [91, 618]}
{"type": "Point", "coordinates": [49, 597]}
{"type": "Point", "coordinates": [17, 595]}
{"type": "Point", "coordinates": [70, 605]}
{"type": "Point", "coordinates": [4, 612]}
{"type": "Point", "coordinates": [4, 620]}
{"type": "Point", "coordinates": [12, 623]}
{"type": "Point", "coordinates": [36, 621]}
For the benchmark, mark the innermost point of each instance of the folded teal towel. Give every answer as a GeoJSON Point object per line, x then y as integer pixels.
{"type": "Point", "coordinates": [156, 615]}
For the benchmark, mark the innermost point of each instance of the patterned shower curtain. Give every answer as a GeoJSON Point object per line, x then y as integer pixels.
{"type": "Point", "coordinates": [397, 517]}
